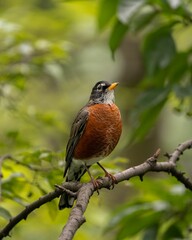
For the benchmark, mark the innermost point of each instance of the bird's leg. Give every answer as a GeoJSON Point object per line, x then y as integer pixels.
{"type": "Point", "coordinates": [94, 182]}
{"type": "Point", "coordinates": [109, 175]}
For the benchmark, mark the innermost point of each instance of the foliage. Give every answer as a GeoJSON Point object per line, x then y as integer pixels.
{"type": "Point", "coordinates": [44, 45]}
{"type": "Point", "coordinates": [161, 210]}
{"type": "Point", "coordinates": [167, 63]}
{"type": "Point", "coordinates": [36, 76]}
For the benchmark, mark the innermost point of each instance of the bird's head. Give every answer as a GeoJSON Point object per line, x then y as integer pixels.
{"type": "Point", "coordinates": [103, 92]}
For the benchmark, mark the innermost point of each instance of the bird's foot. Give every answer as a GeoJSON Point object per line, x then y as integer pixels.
{"type": "Point", "coordinates": [112, 178]}
{"type": "Point", "coordinates": [96, 184]}
{"type": "Point", "coordinates": [109, 175]}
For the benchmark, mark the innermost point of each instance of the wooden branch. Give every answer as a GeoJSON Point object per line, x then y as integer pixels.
{"type": "Point", "coordinates": [28, 209]}
{"type": "Point", "coordinates": [76, 218]}
{"type": "Point", "coordinates": [174, 157]}
{"type": "Point", "coordinates": [86, 190]}
{"type": "Point", "coordinates": [74, 187]}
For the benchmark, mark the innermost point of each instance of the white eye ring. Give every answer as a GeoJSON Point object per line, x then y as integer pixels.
{"type": "Point", "coordinates": [99, 87]}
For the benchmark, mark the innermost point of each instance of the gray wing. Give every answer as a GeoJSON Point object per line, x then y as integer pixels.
{"type": "Point", "coordinates": [77, 130]}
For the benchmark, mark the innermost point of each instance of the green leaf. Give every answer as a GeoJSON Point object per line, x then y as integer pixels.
{"type": "Point", "coordinates": [155, 211]}
{"type": "Point", "coordinates": [148, 109]}
{"type": "Point", "coordinates": [179, 67]}
{"type": "Point", "coordinates": [118, 32]}
{"type": "Point", "coordinates": [183, 92]}
{"type": "Point", "coordinates": [141, 20]}
{"type": "Point", "coordinates": [35, 157]}
{"type": "Point", "coordinates": [12, 134]}
{"type": "Point", "coordinates": [173, 232]}
{"type": "Point", "coordinates": [178, 8]}
{"type": "Point", "coordinates": [147, 120]}
{"type": "Point", "coordinates": [106, 12]}
{"type": "Point", "coordinates": [152, 97]}
{"type": "Point", "coordinates": [145, 215]}
{"type": "Point", "coordinates": [151, 233]}
{"type": "Point", "coordinates": [127, 9]}
{"type": "Point", "coordinates": [159, 49]}
{"type": "Point", "coordinates": [5, 213]}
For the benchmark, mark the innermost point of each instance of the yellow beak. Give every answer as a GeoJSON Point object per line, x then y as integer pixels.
{"type": "Point", "coordinates": [113, 85]}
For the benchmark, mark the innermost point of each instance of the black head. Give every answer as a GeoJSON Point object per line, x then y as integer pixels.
{"type": "Point", "coordinates": [103, 92]}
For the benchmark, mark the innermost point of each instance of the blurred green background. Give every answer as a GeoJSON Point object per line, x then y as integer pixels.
{"type": "Point", "coordinates": [51, 54]}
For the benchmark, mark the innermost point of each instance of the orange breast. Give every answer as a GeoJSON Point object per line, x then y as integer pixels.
{"type": "Point", "coordinates": [102, 132]}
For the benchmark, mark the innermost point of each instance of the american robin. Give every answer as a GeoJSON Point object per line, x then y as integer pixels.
{"type": "Point", "coordinates": [94, 134]}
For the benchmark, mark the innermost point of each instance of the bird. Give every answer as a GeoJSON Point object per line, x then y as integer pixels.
{"type": "Point", "coordinates": [94, 134]}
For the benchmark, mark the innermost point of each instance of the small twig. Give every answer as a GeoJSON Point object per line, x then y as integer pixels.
{"type": "Point", "coordinates": [85, 191]}
{"type": "Point", "coordinates": [28, 209]}
{"type": "Point", "coordinates": [36, 204]}
{"type": "Point", "coordinates": [76, 218]}
{"type": "Point", "coordinates": [174, 157]}
{"type": "Point", "coordinates": [69, 192]}
{"type": "Point", "coordinates": [152, 160]}
{"type": "Point", "coordinates": [181, 178]}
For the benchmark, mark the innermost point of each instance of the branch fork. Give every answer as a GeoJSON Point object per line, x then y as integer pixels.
{"type": "Point", "coordinates": [83, 191]}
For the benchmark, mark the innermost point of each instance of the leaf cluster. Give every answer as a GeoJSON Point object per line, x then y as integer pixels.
{"type": "Point", "coordinates": [160, 210]}
{"type": "Point", "coordinates": [36, 49]}
{"type": "Point", "coordinates": [29, 175]}
{"type": "Point", "coordinates": [167, 64]}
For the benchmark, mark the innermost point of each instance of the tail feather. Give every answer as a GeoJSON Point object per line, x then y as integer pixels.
{"type": "Point", "coordinates": [66, 201]}
{"type": "Point", "coordinates": [76, 170]}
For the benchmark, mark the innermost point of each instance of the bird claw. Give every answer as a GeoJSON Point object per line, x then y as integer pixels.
{"type": "Point", "coordinates": [96, 185]}
{"type": "Point", "coordinates": [112, 178]}
{"type": "Point", "coordinates": [109, 175]}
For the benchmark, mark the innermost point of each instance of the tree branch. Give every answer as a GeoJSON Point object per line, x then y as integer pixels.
{"type": "Point", "coordinates": [28, 209]}
{"type": "Point", "coordinates": [76, 218]}
{"type": "Point", "coordinates": [83, 192]}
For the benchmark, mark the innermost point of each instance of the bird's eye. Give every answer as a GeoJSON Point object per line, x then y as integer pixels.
{"type": "Point", "coordinates": [99, 87]}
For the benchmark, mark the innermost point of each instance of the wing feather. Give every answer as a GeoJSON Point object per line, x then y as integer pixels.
{"type": "Point", "coordinates": [77, 130]}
